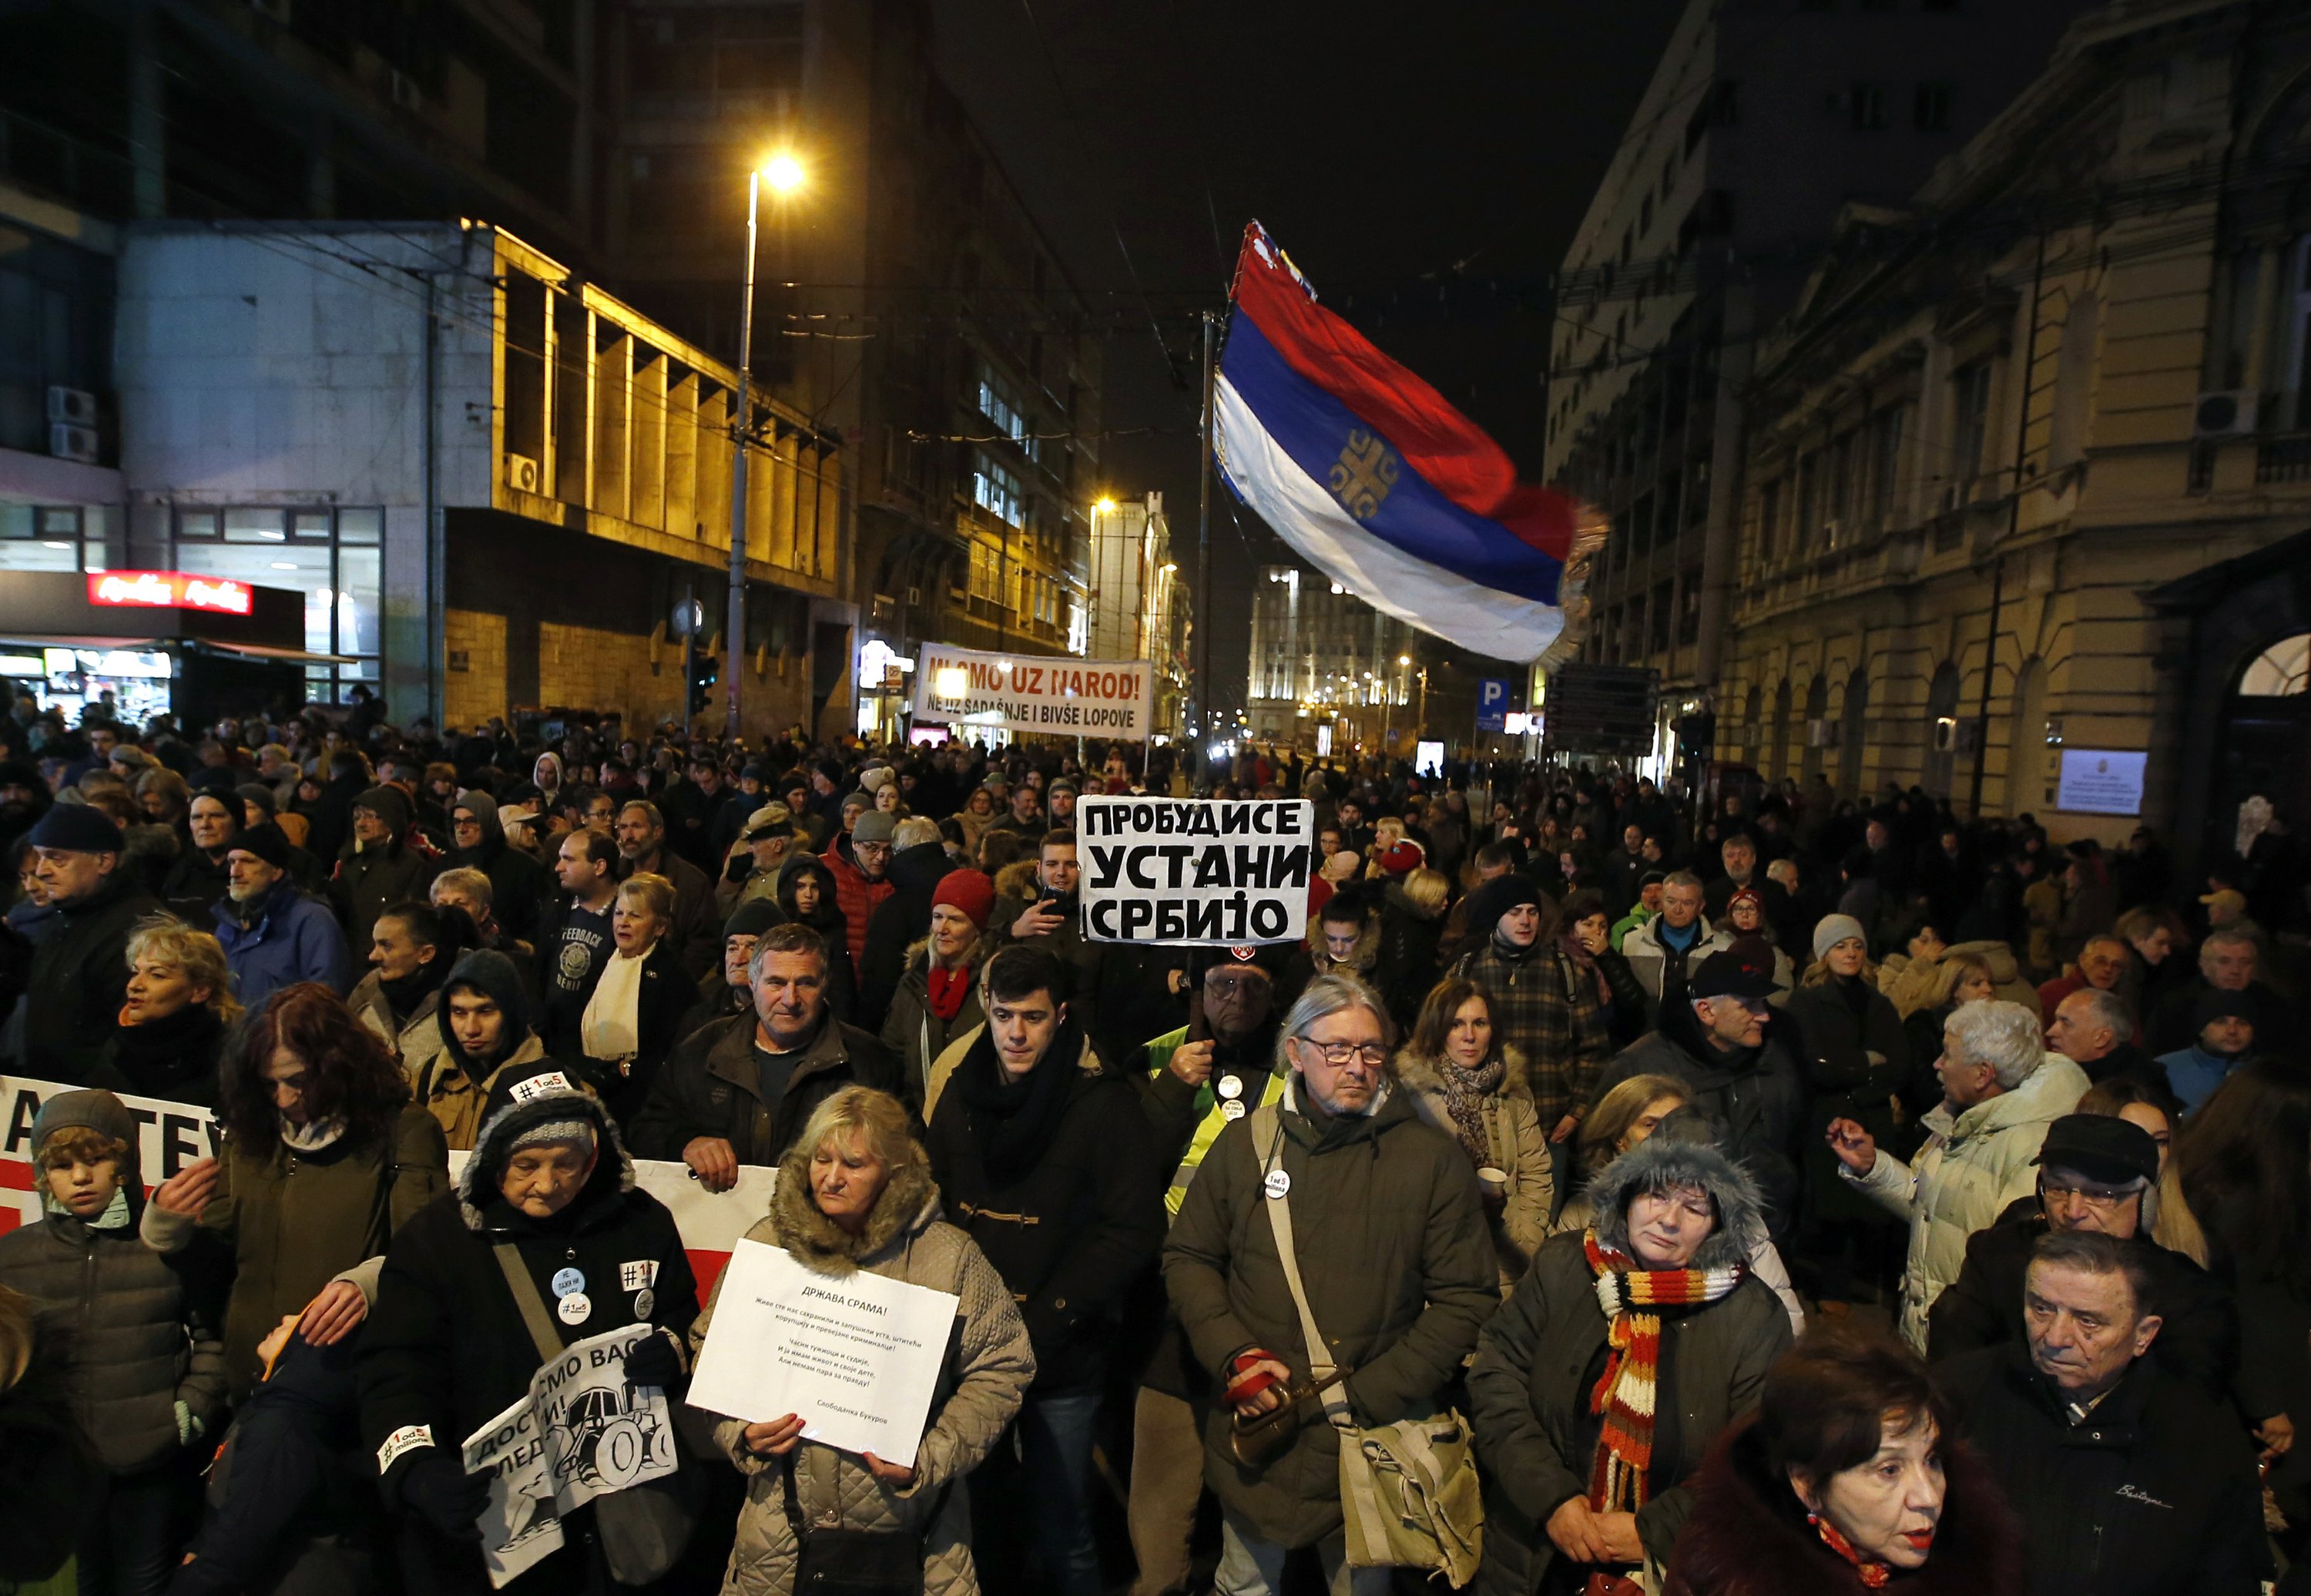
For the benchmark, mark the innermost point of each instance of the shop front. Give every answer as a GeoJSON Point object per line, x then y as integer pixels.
{"type": "Point", "coordinates": [155, 641]}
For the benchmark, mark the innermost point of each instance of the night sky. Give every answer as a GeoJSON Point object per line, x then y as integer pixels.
{"type": "Point", "coordinates": [1385, 146]}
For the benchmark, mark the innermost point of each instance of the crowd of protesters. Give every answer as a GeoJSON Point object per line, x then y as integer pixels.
{"type": "Point", "coordinates": [1773, 1192]}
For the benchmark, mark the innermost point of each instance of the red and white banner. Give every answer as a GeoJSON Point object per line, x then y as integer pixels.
{"type": "Point", "coordinates": [173, 1135]}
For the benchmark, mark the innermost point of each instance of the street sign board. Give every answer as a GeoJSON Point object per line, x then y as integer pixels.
{"type": "Point", "coordinates": [1492, 704]}
{"type": "Point", "coordinates": [1600, 708]}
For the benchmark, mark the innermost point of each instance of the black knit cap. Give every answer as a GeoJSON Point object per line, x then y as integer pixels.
{"type": "Point", "coordinates": [1496, 897]}
{"type": "Point", "coordinates": [75, 828]}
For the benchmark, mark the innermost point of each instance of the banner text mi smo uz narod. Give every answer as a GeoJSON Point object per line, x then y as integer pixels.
{"type": "Point", "coordinates": [1197, 871]}
{"type": "Point", "coordinates": [1110, 698]}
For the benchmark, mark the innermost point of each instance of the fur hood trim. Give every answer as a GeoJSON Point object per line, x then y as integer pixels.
{"type": "Point", "coordinates": [501, 1127]}
{"type": "Point", "coordinates": [1361, 962]}
{"type": "Point", "coordinates": [909, 1203]}
{"type": "Point", "coordinates": [1420, 1073]}
{"type": "Point", "coordinates": [1017, 880]}
{"type": "Point", "coordinates": [1660, 1161]}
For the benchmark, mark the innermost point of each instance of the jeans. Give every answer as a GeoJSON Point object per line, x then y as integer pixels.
{"type": "Point", "coordinates": [1250, 1566]}
{"type": "Point", "coordinates": [1039, 1498]}
{"type": "Point", "coordinates": [130, 1546]}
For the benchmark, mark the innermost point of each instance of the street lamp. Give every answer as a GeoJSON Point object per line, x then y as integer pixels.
{"type": "Point", "coordinates": [782, 170]}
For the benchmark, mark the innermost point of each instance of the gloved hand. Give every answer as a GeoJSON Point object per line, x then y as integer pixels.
{"type": "Point", "coordinates": [741, 865]}
{"type": "Point", "coordinates": [654, 1361]}
{"type": "Point", "coordinates": [437, 1489]}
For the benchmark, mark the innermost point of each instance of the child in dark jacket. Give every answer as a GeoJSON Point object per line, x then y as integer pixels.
{"type": "Point", "coordinates": [292, 1495]}
{"type": "Point", "coordinates": [138, 1331]}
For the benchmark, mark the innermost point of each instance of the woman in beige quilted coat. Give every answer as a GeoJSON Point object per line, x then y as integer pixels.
{"type": "Point", "coordinates": [855, 1192]}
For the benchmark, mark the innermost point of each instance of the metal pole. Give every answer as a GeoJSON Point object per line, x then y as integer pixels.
{"type": "Point", "coordinates": [2013, 525]}
{"type": "Point", "coordinates": [1203, 623]}
{"type": "Point", "coordinates": [734, 625]}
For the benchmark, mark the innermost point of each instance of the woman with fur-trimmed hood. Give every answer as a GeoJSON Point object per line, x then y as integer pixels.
{"type": "Point", "coordinates": [448, 1347]}
{"type": "Point", "coordinates": [1599, 1388]}
{"type": "Point", "coordinates": [1465, 1081]}
{"type": "Point", "coordinates": [855, 1192]}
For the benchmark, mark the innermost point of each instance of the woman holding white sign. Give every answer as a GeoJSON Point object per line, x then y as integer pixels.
{"type": "Point", "coordinates": [855, 1193]}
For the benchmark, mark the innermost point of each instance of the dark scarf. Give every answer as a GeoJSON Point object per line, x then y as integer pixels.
{"type": "Point", "coordinates": [1465, 1091]}
{"type": "Point", "coordinates": [403, 996]}
{"type": "Point", "coordinates": [1016, 1120]}
{"type": "Point", "coordinates": [169, 1053]}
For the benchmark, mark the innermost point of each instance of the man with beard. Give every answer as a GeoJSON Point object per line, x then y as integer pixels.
{"type": "Point", "coordinates": [80, 972]}
{"type": "Point", "coordinates": [377, 867]}
{"type": "Point", "coordinates": [198, 878]}
{"type": "Point", "coordinates": [274, 935]}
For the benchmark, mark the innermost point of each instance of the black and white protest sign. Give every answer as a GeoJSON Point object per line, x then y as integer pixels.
{"type": "Point", "coordinates": [1195, 871]}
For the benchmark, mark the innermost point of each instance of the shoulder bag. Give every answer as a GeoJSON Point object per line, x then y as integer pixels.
{"type": "Point", "coordinates": [643, 1528]}
{"type": "Point", "coordinates": [856, 1562]}
{"type": "Point", "coordinates": [1408, 1490]}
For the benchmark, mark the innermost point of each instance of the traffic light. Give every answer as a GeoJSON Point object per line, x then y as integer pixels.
{"type": "Point", "coordinates": [705, 670]}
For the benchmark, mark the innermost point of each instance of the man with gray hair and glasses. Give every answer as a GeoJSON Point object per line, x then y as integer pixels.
{"type": "Point", "coordinates": [1391, 1247]}
{"type": "Point", "coordinates": [2000, 1092]}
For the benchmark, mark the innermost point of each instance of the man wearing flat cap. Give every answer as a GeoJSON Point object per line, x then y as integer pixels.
{"type": "Point", "coordinates": [80, 974]}
{"type": "Point", "coordinates": [1719, 1041]}
{"type": "Point", "coordinates": [2095, 1172]}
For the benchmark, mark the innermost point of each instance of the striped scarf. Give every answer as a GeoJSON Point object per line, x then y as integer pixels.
{"type": "Point", "coordinates": [1632, 1299]}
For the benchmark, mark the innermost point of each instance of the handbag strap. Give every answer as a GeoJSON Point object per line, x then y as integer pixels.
{"type": "Point", "coordinates": [1267, 1129]}
{"type": "Point", "coordinates": [526, 1298]}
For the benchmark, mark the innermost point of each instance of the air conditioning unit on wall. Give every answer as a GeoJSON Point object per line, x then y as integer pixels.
{"type": "Point", "coordinates": [521, 473]}
{"type": "Point", "coordinates": [76, 405]}
{"type": "Point", "coordinates": [69, 443]}
{"type": "Point", "coordinates": [2227, 414]}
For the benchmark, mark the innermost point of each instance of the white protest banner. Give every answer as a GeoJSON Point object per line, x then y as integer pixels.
{"type": "Point", "coordinates": [1197, 872]}
{"type": "Point", "coordinates": [172, 1135]}
{"type": "Point", "coordinates": [1066, 696]}
{"type": "Point", "coordinates": [857, 1356]}
{"type": "Point", "coordinates": [582, 1432]}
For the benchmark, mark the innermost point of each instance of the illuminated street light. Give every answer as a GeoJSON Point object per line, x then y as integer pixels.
{"type": "Point", "coordinates": [782, 172]}
{"type": "Point", "coordinates": [1104, 506]}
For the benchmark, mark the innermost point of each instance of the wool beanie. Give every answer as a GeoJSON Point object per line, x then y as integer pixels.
{"type": "Point", "coordinates": [76, 828]}
{"type": "Point", "coordinates": [970, 890]}
{"type": "Point", "coordinates": [1834, 929]}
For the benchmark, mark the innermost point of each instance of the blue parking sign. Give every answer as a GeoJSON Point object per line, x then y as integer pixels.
{"type": "Point", "coordinates": [1492, 704]}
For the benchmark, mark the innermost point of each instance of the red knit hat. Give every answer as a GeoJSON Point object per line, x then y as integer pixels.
{"type": "Point", "coordinates": [970, 890]}
{"type": "Point", "coordinates": [1403, 857]}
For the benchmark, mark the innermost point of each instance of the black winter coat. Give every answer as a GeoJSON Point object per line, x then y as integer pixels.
{"type": "Point", "coordinates": [897, 922]}
{"type": "Point", "coordinates": [446, 1345]}
{"type": "Point", "coordinates": [1068, 1218]}
{"type": "Point", "coordinates": [1982, 1307]}
{"type": "Point", "coordinates": [2153, 1493]}
{"type": "Point", "coordinates": [1833, 1043]}
{"type": "Point", "coordinates": [79, 980]}
{"type": "Point", "coordinates": [709, 1086]}
{"type": "Point", "coordinates": [193, 884]}
{"type": "Point", "coordinates": [520, 884]}
{"type": "Point", "coordinates": [667, 994]}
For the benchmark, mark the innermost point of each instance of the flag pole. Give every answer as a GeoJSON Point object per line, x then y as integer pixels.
{"type": "Point", "coordinates": [1203, 619]}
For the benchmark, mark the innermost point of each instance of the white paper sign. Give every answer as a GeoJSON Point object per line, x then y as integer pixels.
{"type": "Point", "coordinates": [2101, 781]}
{"type": "Point", "coordinates": [857, 1356]}
{"type": "Point", "coordinates": [1106, 698]}
{"type": "Point", "coordinates": [1195, 872]}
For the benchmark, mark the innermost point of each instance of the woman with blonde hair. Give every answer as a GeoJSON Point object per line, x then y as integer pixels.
{"type": "Point", "coordinates": [172, 1026]}
{"type": "Point", "coordinates": [634, 1017]}
{"type": "Point", "coordinates": [855, 1193]}
{"type": "Point", "coordinates": [1465, 1081]}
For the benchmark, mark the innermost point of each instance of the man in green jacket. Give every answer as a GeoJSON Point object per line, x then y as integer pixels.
{"type": "Point", "coordinates": [1391, 1245]}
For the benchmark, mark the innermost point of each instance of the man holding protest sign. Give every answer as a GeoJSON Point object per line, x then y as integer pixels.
{"type": "Point", "coordinates": [544, 1235]}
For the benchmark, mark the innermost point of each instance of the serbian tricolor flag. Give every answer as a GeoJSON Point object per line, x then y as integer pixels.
{"type": "Point", "coordinates": [1377, 482]}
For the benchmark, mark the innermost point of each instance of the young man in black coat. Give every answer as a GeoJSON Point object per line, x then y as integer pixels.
{"type": "Point", "coordinates": [447, 1348]}
{"type": "Point", "coordinates": [1042, 1156]}
{"type": "Point", "coordinates": [2128, 1480]}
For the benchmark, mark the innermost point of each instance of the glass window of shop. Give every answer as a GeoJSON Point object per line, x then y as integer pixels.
{"type": "Point", "coordinates": [56, 537]}
{"type": "Point", "coordinates": [332, 556]}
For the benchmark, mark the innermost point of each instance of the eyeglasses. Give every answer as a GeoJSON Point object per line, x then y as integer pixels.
{"type": "Point", "coordinates": [1339, 1055]}
{"type": "Point", "coordinates": [2098, 1198]}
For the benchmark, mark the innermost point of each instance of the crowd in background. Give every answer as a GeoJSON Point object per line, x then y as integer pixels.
{"type": "Point", "coordinates": [1763, 1190]}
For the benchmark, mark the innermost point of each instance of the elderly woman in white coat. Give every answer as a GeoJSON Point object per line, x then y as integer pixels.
{"type": "Point", "coordinates": [855, 1193]}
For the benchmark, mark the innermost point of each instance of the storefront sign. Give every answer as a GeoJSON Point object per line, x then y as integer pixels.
{"type": "Point", "coordinates": [169, 589]}
{"type": "Point", "coordinates": [1069, 697]}
{"type": "Point", "coordinates": [2101, 781]}
{"type": "Point", "coordinates": [1195, 872]}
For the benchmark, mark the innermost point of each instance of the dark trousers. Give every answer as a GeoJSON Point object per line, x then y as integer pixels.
{"type": "Point", "coordinates": [1031, 1500]}
{"type": "Point", "coordinates": [134, 1533]}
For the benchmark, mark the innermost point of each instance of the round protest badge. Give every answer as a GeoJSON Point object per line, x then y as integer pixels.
{"type": "Point", "coordinates": [1230, 1085]}
{"type": "Point", "coordinates": [1233, 1109]}
{"type": "Point", "coordinates": [645, 1303]}
{"type": "Point", "coordinates": [569, 1282]}
{"type": "Point", "coordinates": [574, 1308]}
{"type": "Point", "coordinates": [1276, 1184]}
